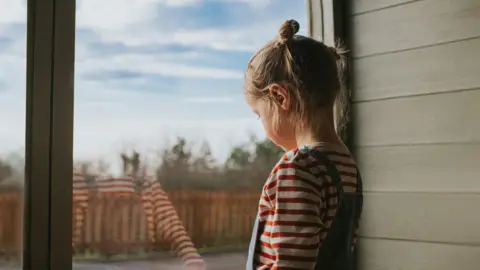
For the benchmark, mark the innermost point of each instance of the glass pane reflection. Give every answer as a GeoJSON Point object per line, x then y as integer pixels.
{"type": "Point", "coordinates": [169, 159]}
{"type": "Point", "coordinates": [13, 17]}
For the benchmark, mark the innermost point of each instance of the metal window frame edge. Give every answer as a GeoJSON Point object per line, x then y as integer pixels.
{"type": "Point", "coordinates": [329, 21]}
{"type": "Point", "coordinates": [62, 136]}
{"type": "Point", "coordinates": [49, 135]}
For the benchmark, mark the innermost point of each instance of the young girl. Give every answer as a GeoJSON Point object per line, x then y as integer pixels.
{"type": "Point", "coordinates": [311, 203]}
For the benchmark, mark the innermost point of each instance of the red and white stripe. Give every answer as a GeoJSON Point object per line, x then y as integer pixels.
{"type": "Point", "coordinates": [162, 219]}
{"type": "Point", "coordinates": [167, 225]}
{"type": "Point", "coordinates": [80, 205]}
{"type": "Point", "coordinates": [80, 189]}
{"type": "Point", "coordinates": [297, 206]}
{"type": "Point", "coordinates": [120, 186]}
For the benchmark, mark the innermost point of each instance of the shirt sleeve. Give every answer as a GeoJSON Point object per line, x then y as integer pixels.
{"type": "Point", "coordinates": [295, 224]}
{"type": "Point", "coordinates": [170, 227]}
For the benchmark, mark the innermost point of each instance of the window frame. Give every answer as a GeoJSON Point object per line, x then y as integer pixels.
{"type": "Point", "coordinates": [49, 135]}
{"type": "Point", "coordinates": [49, 142]}
{"type": "Point", "coordinates": [329, 21]}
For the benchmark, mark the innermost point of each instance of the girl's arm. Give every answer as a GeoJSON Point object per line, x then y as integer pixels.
{"type": "Point", "coordinates": [294, 220]}
{"type": "Point", "coordinates": [170, 227]}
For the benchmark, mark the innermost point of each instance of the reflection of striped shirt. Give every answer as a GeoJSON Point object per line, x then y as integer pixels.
{"type": "Point", "coordinates": [80, 189]}
{"type": "Point", "coordinates": [118, 186]}
{"type": "Point", "coordinates": [162, 219]}
{"type": "Point", "coordinates": [80, 205]}
{"type": "Point", "coordinates": [297, 206]}
{"type": "Point", "coordinates": [168, 225]}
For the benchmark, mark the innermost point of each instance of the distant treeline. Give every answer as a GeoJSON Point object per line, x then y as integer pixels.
{"type": "Point", "coordinates": [246, 167]}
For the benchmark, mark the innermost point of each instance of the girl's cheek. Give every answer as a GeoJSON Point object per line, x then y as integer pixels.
{"type": "Point", "coordinates": [273, 134]}
{"type": "Point", "coordinates": [268, 128]}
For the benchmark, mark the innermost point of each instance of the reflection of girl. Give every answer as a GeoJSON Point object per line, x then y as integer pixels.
{"type": "Point", "coordinates": [311, 203]}
{"type": "Point", "coordinates": [161, 212]}
{"type": "Point", "coordinates": [80, 205]}
{"type": "Point", "coordinates": [162, 219]}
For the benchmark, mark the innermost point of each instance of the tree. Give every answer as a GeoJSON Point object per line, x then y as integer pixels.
{"type": "Point", "coordinates": [174, 171]}
{"type": "Point", "coordinates": [133, 161]}
{"type": "Point", "coordinates": [247, 166]}
{"type": "Point", "coordinates": [239, 158]}
{"type": "Point", "coordinates": [205, 161]}
{"type": "Point", "coordinates": [6, 171]}
{"type": "Point", "coordinates": [267, 153]}
{"type": "Point", "coordinates": [179, 155]}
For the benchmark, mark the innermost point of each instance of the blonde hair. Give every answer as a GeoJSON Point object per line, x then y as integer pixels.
{"type": "Point", "coordinates": [308, 69]}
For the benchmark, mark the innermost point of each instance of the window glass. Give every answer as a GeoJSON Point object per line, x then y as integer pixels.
{"type": "Point", "coordinates": [13, 17]}
{"type": "Point", "coordinates": [169, 159]}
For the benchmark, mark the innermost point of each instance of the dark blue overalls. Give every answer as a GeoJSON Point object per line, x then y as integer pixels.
{"type": "Point", "coordinates": [336, 251]}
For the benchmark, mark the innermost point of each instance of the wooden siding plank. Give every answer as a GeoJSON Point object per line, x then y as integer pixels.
{"type": "Point", "coordinates": [379, 254]}
{"type": "Point", "coordinates": [425, 168]}
{"type": "Point", "coordinates": [443, 118]}
{"type": "Point", "coordinates": [362, 6]}
{"type": "Point", "coordinates": [436, 69]}
{"type": "Point", "coordinates": [417, 24]}
{"type": "Point", "coordinates": [426, 217]}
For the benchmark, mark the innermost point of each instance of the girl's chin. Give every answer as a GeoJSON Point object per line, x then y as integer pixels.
{"type": "Point", "coordinates": [283, 146]}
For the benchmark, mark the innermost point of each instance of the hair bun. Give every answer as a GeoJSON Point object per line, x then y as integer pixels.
{"type": "Point", "coordinates": [288, 30]}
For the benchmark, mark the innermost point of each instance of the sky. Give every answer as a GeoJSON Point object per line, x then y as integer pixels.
{"type": "Point", "coordinates": [148, 71]}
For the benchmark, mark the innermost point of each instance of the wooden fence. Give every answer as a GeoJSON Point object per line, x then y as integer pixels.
{"type": "Point", "coordinates": [117, 225]}
{"type": "Point", "coordinates": [11, 214]}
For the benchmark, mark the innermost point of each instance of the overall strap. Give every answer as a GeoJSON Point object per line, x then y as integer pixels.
{"type": "Point", "coordinates": [335, 252]}
{"type": "Point", "coordinates": [331, 170]}
{"type": "Point", "coordinates": [253, 244]}
{"type": "Point", "coordinates": [359, 197]}
{"type": "Point", "coordinates": [337, 181]}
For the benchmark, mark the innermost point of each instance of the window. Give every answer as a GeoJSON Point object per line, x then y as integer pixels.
{"type": "Point", "coordinates": [169, 160]}
{"type": "Point", "coordinates": [13, 16]}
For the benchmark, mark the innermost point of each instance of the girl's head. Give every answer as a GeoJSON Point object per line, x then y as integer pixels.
{"type": "Point", "coordinates": [292, 83]}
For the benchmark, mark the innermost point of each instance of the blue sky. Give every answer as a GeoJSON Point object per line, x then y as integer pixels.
{"type": "Point", "coordinates": [149, 70]}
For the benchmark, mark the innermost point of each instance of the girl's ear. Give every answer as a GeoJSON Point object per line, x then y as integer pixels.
{"type": "Point", "coordinates": [280, 95]}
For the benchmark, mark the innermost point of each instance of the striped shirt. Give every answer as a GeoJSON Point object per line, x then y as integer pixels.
{"type": "Point", "coordinates": [162, 219]}
{"type": "Point", "coordinates": [80, 205]}
{"type": "Point", "coordinates": [297, 207]}
{"type": "Point", "coordinates": [167, 226]}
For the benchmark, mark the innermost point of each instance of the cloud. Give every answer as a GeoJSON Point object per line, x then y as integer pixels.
{"type": "Point", "coordinates": [126, 13]}
{"type": "Point", "coordinates": [148, 70]}
{"type": "Point", "coordinates": [246, 25]}
{"type": "Point", "coordinates": [131, 64]}
{"type": "Point", "coordinates": [12, 12]}
{"type": "Point", "coordinates": [209, 100]}
{"type": "Point", "coordinates": [251, 3]}
{"type": "Point", "coordinates": [237, 38]}
{"type": "Point", "coordinates": [152, 134]}
{"type": "Point", "coordinates": [121, 13]}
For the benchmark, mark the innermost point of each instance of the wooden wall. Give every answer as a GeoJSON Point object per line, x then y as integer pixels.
{"type": "Point", "coordinates": [416, 105]}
